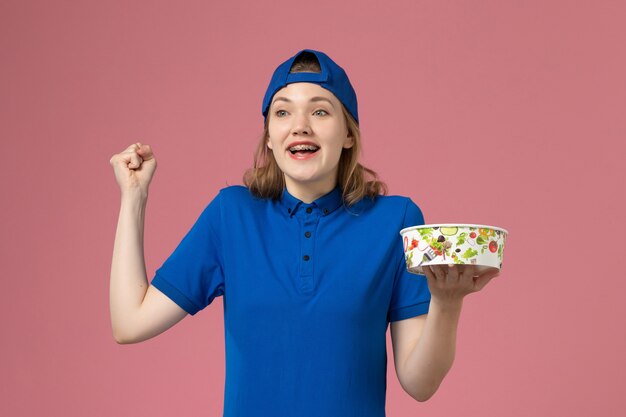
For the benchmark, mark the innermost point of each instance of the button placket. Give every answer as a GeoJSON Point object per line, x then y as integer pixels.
{"type": "Point", "coordinates": [307, 242]}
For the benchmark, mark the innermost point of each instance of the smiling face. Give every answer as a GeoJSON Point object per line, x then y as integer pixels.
{"type": "Point", "coordinates": [307, 133]}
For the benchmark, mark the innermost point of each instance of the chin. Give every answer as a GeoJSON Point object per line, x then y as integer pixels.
{"type": "Point", "coordinates": [301, 175]}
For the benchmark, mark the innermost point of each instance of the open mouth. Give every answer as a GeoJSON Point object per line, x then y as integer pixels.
{"type": "Point", "coordinates": [301, 150]}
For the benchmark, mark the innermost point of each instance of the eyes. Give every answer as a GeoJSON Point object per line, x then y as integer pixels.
{"type": "Point", "coordinates": [279, 113]}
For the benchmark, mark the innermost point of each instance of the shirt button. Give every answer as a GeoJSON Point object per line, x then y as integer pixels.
{"type": "Point", "coordinates": [325, 211]}
{"type": "Point", "coordinates": [306, 257]}
{"type": "Point", "coordinates": [309, 210]}
{"type": "Point", "coordinates": [307, 234]}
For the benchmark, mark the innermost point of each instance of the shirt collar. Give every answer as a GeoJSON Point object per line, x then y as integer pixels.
{"type": "Point", "coordinates": [326, 203]}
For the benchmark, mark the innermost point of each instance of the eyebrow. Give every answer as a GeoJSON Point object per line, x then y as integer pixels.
{"type": "Point", "coordinates": [313, 99]}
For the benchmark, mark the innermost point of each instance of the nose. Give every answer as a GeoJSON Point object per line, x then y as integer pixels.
{"type": "Point", "coordinates": [301, 125]}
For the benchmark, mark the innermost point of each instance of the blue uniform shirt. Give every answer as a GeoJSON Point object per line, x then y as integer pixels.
{"type": "Point", "coordinates": [309, 291]}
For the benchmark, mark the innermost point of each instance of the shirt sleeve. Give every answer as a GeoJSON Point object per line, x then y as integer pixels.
{"type": "Point", "coordinates": [411, 296]}
{"type": "Point", "coordinates": [193, 274]}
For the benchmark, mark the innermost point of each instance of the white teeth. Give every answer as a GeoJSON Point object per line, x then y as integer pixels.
{"type": "Point", "coordinates": [303, 148]}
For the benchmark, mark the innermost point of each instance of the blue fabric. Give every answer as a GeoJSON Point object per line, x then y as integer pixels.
{"type": "Point", "coordinates": [303, 337]}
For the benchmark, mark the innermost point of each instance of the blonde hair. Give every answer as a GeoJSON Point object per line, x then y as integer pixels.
{"type": "Point", "coordinates": [266, 180]}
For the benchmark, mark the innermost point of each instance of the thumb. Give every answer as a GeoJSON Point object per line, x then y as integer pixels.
{"type": "Point", "coordinates": [484, 279]}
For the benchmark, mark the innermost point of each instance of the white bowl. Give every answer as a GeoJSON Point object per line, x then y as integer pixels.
{"type": "Point", "coordinates": [453, 243]}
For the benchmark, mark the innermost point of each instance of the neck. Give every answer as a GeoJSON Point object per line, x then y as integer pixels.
{"type": "Point", "coordinates": [308, 192]}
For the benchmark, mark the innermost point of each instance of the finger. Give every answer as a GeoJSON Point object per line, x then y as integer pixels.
{"type": "Point", "coordinates": [429, 274]}
{"type": "Point", "coordinates": [133, 159]}
{"type": "Point", "coordinates": [127, 158]}
{"type": "Point", "coordinates": [469, 271]}
{"type": "Point", "coordinates": [438, 271]}
{"type": "Point", "coordinates": [132, 147]}
{"type": "Point", "coordinates": [146, 152]}
{"type": "Point", "coordinates": [484, 279]}
{"type": "Point", "coordinates": [467, 276]}
{"type": "Point", "coordinates": [453, 273]}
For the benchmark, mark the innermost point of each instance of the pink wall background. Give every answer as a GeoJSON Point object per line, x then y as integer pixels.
{"type": "Point", "coordinates": [502, 113]}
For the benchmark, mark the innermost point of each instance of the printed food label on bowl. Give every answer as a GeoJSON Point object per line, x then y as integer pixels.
{"type": "Point", "coordinates": [454, 244]}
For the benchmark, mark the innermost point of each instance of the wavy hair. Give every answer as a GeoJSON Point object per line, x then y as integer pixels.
{"type": "Point", "coordinates": [266, 180]}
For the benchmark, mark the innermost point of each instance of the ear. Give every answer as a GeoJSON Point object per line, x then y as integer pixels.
{"type": "Point", "coordinates": [269, 144]}
{"type": "Point", "coordinates": [349, 142]}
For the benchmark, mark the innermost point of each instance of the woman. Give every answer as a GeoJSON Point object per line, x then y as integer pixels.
{"type": "Point", "coordinates": [308, 258]}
